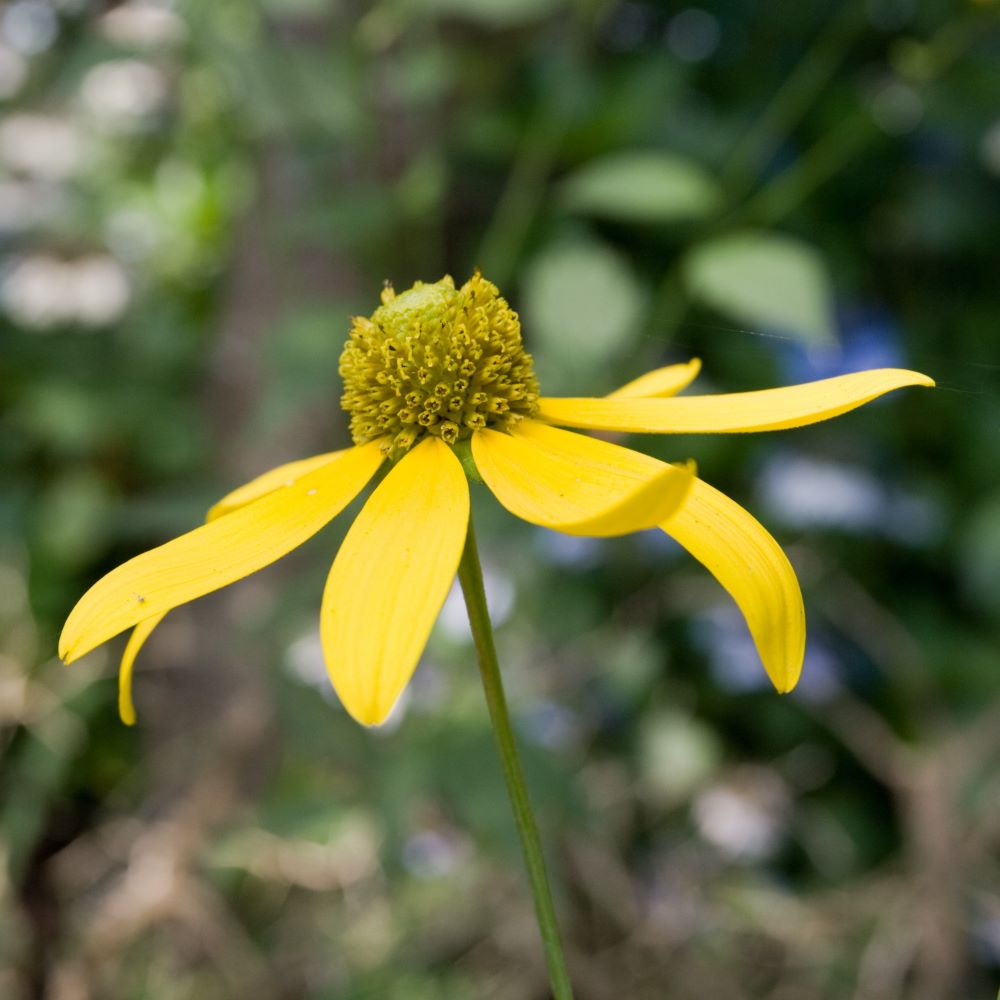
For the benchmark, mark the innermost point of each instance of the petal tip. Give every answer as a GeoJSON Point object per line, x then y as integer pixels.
{"type": "Point", "coordinates": [370, 716]}
{"type": "Point", "coordinates": [75, 643]}
{"type": "Point", "coordinates": [910, 378]}
{"type": "Point", "coordinates": [786, 678]}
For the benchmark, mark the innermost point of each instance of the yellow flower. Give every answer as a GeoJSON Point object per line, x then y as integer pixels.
{"type": "Point", "coordinates": [438, 385]}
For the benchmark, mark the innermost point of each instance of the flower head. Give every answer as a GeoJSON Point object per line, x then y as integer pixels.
{"type": "Point", "coordinates": [436, 371]}
{"type": "Point", "coordinates": [436, 361]}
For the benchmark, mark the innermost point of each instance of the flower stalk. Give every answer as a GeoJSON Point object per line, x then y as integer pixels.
{"type": "Point", "coordinates": [470, 575]}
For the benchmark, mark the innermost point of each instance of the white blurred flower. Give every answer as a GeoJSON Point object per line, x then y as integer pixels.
{"type": "Point", "coordinates": [142, 24]}
{"type": "Point", "coordinates": [746, 816]}
{"type": "Point", "coordinates": [27, 203]}
{"type": "Point", "coordinates": [13, 71]}
{"type": "Point", "coordinates": [30, 26]}
{"type": "Point", "coordinates": [122, 94]}
{"type": "Point", "coordinates": [34, 293]}
{"type": "Point", "coordinates": [102, 290]}
{"type": "Point", "coordinates": [44, 146]}
{"type": "Point", "coordinates": [304, 660]}
{"type": "Point", "coordinates": [41, 291]}
{"type": "Point", "coordinates": [806, 492]}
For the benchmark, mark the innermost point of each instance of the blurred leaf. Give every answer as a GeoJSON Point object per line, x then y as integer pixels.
{"type": "Point", "coordinates": [981, 549]}
{"type": "Point", "coordinates": [767, 280]}
{"type": "Point", "coordinates": [643, 187]}
{"type": "Point", "coordinates": [677, 756]}
{"type": "Point", "coordinates": [582, 306]}
{"type": "Point", "coordinates": [65, 417]}
{"type": "Point", "coordinates": [72, 518]}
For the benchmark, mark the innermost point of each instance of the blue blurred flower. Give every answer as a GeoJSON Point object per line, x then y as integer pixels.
{"type": "Point", "coordinates": [868, 338]}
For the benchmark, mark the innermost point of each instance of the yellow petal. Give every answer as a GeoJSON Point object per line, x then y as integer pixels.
{"type": "Point", "coordinates": [750, 564]}
{"type": "Point", "coordinates": [391, 577]}
{"type": "Point", "coordinates": [764, 410]}
{"type": "Point", "coordinates": [142, 631]}
{"type": "Point", "coordinates": [283, 476]}
{"type": "Point", "coordinates": [577, 484]}
{"type": "Point", "coordinates": [661, 382]}
{"type": "Point", "coordinates": [216, 554]}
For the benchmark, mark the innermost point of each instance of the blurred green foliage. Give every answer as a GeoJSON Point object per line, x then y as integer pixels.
{"type": "Point", "coordinates": [195, 198]}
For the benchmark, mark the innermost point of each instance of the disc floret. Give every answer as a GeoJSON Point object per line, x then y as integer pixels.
{"type": "Point", "coordinates": [436, 360]}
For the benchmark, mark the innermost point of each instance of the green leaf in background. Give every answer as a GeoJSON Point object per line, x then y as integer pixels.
{"type": "Point", "coordinates": [582, 305]}
{"type": "Point", "coordinates": [765, 280]}
{"type": "Point", "coordinates": [645, 187]}
{"type": "Point", "coordinates": [678, 755]}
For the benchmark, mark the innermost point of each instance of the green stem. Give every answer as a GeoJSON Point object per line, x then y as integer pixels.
{"type": "Point", "coordinates": [818, 65]}
{"type": "Point", "coordinates": [470, 575]}
{"type": "Point", "coordinates": [525, 189]}
{"type": "Point", "coordinates": [823, 160]}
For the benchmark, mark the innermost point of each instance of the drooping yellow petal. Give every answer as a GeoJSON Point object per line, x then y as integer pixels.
{"type": "Point", "coordinates": [283, 476]}
{"type": "Point", "coordinates": [216, 554]}
{"type": "Point", "coordinates": [576, 484]}
{"type": "Point", "coordinates": [142, 631]}
{"type": "Point", "coordinates": [764, 410]}
{"type": "Point", "coordinates": [391, 577]}
{"type": "Point", "coordinates": [750, 564]}
{"type": "Point", "coordinates": [661, 382]}
{"type": "Point", "coordinates": [275, 479]}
